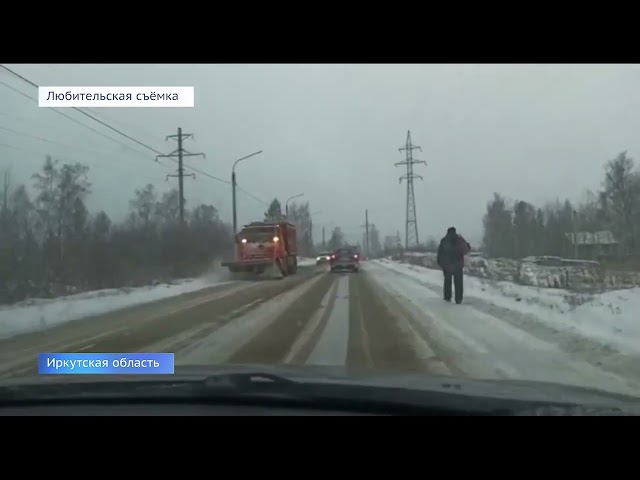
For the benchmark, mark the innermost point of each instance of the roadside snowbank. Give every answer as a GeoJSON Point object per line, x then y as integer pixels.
{"type": "Point", "coordinates": [611, 318]}
{"type": "Point", "coordinates": [565, 274]}
{"type": "Point", "coordinates": [306, 262]}
{"type": "Point", "coordinates": [41, 314]}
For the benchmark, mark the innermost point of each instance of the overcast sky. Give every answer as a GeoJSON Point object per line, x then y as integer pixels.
{"type": "Point", "coordinates": [332, 132]}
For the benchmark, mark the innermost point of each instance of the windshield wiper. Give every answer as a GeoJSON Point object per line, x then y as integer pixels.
{"type": "Point", "coordinates": [248, 380]}
{"type": "Point", "coordinates": [253, 382]}
{"type": "Point", "coordinates": [278, 390]}
{"type": "Point", "coordinates": [249, 383]}
{"type": "Point", "coordinates": [263, 385]}
{"type": "Point", "coordinates": [411, 402]}
{"type": "Point", "coordinates": [267, 389]}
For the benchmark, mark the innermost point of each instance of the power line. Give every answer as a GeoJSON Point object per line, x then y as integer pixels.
{"type": "Point", "coordinates": [10, 87]}
{"type": "Point", "coordinates": [252, 196]}
{"type": "Point", "coordinates": [159, 153]}
{"type": "Point", "coordinates": [39, 152]}
{"type": "Point", "coordinates": [71, 118]}
{"type": "Point", "coordinates": [53, 142]}
{"type": "Point", "coordinates": [121, 122]}
{"type": "Point", "coordinates": [94, 152]}
{"type": "Point", "coordinates": [28, 135]}
{"type": "Point", "coordinates": [88, 115]}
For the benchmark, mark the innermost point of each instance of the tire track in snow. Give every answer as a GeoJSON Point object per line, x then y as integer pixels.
{"type": "Point", "coordinates": [273, 344]}
{"type": "Point", "coordinates": [158, 325]}
{"type": "Point", "coordinates": [380, 335]}
{"type": "Point", "coordinates": [332, 345]}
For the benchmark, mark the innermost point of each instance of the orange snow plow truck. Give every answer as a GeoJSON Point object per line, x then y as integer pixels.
{"type": "Point", "coordinates": [264, 245]}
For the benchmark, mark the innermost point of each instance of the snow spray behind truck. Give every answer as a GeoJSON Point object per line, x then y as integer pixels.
{"type": "Point", "coordinates": [265, 245]}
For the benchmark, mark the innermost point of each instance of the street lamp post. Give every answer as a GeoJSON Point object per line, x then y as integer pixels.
{"type": "Point", "coordinates": [286, 204]}
{"type": "Point", "coordinates": [233, 188]}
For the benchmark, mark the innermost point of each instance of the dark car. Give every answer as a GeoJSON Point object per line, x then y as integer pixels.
{"type": "Point", "coordinates": [323, 258]}
{"type": "Point", "coordinates": [345, 258]}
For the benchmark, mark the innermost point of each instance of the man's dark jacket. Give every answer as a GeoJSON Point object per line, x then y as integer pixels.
{"type": "Point", "coordinates": [451, 251]}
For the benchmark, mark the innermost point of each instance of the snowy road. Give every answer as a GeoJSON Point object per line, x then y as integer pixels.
{"type": "Point", "coordinates": [482, 340]}
{"type": "Point", "coordinates": [381, 318]}
{"type": "Point", "coordinates": [314, 317]}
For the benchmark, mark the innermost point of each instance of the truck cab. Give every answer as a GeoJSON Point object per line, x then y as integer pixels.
{"type": "Point", "coordinates": [263, 244]}
{"type": "Point", "coordinates": [259, 242]}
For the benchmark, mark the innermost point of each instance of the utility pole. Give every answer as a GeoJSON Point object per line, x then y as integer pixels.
{"type": "Point", "coordinates": [5, 190]}
{"type": "Point", "coordinates": [323, 242]}
{"type": "Point", "coordinates": [366, 233]}
{"type": "Point", "coordinates": [366, 226]}
{"type": "Point", "coordinates": [181, 153]}
{"type": "Point", "coordinates": [234, 184]}
{"type": "Point", "coordinates": [411, 225]}
{"type": "Point", "coordinates": [575, 234]}
{"type": "Point", "coordinates": [233, 202]}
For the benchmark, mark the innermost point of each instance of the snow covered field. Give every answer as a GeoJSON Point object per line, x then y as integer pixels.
{"type": "Point", "coordinates": [40, 314]}
{"type": "Point", "coordinates": [561, 273]}
{"type": "Point", "coordinates": [516, 331]}
{"type": "Point", "coordinates": [612, 318]}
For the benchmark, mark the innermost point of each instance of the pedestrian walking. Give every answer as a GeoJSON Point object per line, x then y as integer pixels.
{"type": "Point", "coordinates": [451, 251]}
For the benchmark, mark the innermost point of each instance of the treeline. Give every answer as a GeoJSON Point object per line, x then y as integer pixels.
{"type": "Point", "coordinates": [393, 245]}
{"type": "Point", "coordinates": [375, 247]}
{"type": "Point", "coordinates": [515, 229]}
{"type": "Point", "coordinates": [50, 245]}
{"type": "Point", "coordinates": [300, 216]}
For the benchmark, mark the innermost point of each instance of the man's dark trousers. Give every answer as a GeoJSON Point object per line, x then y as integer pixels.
{"type": "Point", "coordinates": [455, 275]}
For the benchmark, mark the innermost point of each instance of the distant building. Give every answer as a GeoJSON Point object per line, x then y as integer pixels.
{"type": "Point", "coordinates": [592, 245]}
